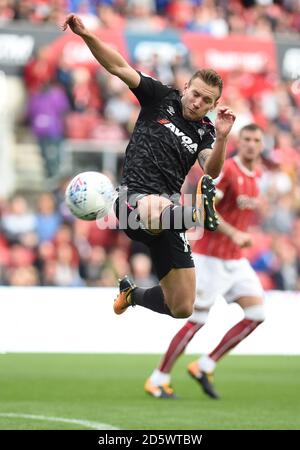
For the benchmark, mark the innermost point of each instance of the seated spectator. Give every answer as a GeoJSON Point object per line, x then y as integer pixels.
{"type": "Point", "coordinates": [210, 19]}
{"type": "Point", "coordinates": [180, 13]}
{"type": "Point", "coordinates": [17, 219]}
{"type": "Point", "coordinates": [6, 12]}
{"type": "Point", "coordinates": [106, 238]}
{"type": "Point", "coordinates": [108, 277]}
{"type": "Point", "coordinates": [119, 108]}
{"type": "Point", "coordinates": [64, 234]}
{"type": "Point", "coordinates": [48, 218]}
{"type": "Point", "coordinates": [80, 125]}
{"type": "Point", "coordinates": [110, 18]}
{"type": "Point", "coordinates": [286, 270]}
{"type": "Point", "coordinates": [118, 261]}
{"type": "Point", "coordinates": [141, 16]}
{"type": "Point", "coordinates": [66, 267]}
{"type": "Point", "coordinates": [85, 93]}
{"type": "Point", "coordinates": [141, 271]}
{"type": "Point", "coordinates": [91, 268]}
{"type": "Point", "coordinates": [281, 216]}
{"type": "Point", "coordinates": [38, 71]}
{"type": "Point", "coordinates": [48, 273]}
{"type": "Point", "coordinates": [20, 256]}
{"type": "Point", "coordinates": [45, 253]}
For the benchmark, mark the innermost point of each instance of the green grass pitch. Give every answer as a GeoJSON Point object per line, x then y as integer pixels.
{"type": "Point", "coordinates": [76, 391]}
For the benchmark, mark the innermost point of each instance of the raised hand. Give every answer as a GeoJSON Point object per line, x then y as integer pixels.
{"type": "Point", "coordinates": [75, 24]}
{"type": "Point", "coordinates": [224, 121]}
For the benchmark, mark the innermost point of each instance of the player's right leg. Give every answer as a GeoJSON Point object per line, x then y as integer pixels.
{"type": "Point", "coordinates": [161, 376]}
{"type": "Point", "coordinates": [212, 280]}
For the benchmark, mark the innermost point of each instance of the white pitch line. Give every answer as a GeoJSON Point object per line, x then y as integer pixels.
{"type": "Point", "coordinates": [83, 423]}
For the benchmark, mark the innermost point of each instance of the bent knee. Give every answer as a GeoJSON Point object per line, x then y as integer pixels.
{"type": "Point", "coordinates": [255, 312]}
{"type": "Point", "coordinates": [181, 311]}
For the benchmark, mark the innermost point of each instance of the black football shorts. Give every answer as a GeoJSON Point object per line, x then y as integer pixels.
{"type": "Point", "coordinates": [169, 249]}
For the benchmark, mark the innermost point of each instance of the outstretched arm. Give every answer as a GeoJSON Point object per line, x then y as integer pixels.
{"type": "Point", "coordinates": [109, 58]}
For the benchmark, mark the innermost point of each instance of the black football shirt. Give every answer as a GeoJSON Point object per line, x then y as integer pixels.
{"type": "Point", "coordinates": [164, 145]}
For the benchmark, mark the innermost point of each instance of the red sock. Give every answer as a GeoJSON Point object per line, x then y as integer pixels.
{"type": "Point", "coordinates": [235, 335]}
{"type": "Point", "coordinates": [178, 345]}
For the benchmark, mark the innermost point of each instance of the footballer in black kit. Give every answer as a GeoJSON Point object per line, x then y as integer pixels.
{"type": "Point", "coordinates": [171, 133]}
{"type": "Point", "coordinates": [162, 149]}
{"type": "Point", "coordinates": [164, 146]}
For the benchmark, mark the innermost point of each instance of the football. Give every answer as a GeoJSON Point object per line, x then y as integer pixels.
{"type": "Point", "coordinates": [90, 195]}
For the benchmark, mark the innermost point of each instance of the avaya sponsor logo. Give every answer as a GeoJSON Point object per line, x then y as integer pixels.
{"type": "Point", "coordinates": [186, 141]}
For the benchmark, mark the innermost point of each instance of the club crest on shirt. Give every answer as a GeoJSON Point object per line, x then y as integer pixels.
{"type": "Point", "coordinates": [201, 132]}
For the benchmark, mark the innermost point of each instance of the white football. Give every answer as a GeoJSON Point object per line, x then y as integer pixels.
{"type": "Point", "coordinates": [90, 195]}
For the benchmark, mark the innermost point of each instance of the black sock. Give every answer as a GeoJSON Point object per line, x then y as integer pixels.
{"type": "Point", "coordinates": [177, 217]}
{"type": "Point", "coordinates": [152, 298]}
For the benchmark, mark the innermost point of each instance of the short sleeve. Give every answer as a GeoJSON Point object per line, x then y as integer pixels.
{"type": "Point", "coordinates": [150, 91]}
{"type": "Point", "coordinates": [209, 139]}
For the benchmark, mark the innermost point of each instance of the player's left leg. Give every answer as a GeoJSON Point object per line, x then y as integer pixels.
{"type": "Point", "coordinates": [202, 370]}
{"type": "Point", "coordinates": [246, 290]}
{"type": "Point", "coordinates": [254, 316]}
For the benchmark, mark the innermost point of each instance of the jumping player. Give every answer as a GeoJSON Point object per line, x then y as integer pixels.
{"type": "Point", "coordinates": [171, 133]}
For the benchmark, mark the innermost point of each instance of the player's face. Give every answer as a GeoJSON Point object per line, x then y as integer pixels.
{"type": "Point", "coordinates": [198, 99]}
{"type": "Point", "coordinates": [250, 145]}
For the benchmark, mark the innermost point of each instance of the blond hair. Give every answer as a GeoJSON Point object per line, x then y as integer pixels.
{"type": "Point", "coordinates": [210, 77]}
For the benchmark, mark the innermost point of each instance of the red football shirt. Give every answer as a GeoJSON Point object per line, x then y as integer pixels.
{"type": "Point", "coordinates": [238, 187]}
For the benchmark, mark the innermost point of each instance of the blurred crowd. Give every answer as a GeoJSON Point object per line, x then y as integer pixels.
{"type": "Point", "coordinates": [217, 17]}
{"type": "Point", "coordinates": [45, 245]}
{"type": "Point", "coordinates": [42, 244]}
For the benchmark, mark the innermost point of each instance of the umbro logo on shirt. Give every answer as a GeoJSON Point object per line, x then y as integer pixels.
{"type": "Point", "coordinates": [186, 141]}
{"type": "Point", "coordinates": [171, 110]}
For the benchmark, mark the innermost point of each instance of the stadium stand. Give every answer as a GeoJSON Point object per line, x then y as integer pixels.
{"type": "Point", "coordinates": [64, 117]}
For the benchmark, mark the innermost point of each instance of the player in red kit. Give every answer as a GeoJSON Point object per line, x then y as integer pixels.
{"type": "Point", "coordinates": [220, 255]}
